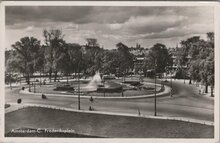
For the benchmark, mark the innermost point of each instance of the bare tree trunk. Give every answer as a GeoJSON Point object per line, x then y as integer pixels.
{"type": "Point", "coordinates": [67, 78]}
{"type": "Point", "coordinates": [50, 74]}
{"type": "Point", "coordinates": [40, 77]}
{"type": "Point", "coordinates": [212, 95]}
{"type": "Point", "coordinates": [206, 87]}
{"type": "Point", "coordinates": [28, 78]}
{"type": "Point", "coordinates": [10, 80]}
{"type": "Point", "coordinates": [55, 76]}
{"type": "Point", "coordinates": [190, 80]}
{"type": "Point", "coordinates": [20, 79]}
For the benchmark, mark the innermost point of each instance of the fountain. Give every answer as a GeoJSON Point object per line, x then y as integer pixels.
{"type": "Point", "coordinates": [94, 83]}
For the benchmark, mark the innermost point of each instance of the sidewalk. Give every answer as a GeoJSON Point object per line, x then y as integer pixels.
{"type": "Point", "coordinates": [197, 88]}
{"type": "Point", "coordinates": [14, 107]}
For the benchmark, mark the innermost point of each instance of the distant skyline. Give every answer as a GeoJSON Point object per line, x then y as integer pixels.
{"type": "Point", "coordinates": [110, 24]}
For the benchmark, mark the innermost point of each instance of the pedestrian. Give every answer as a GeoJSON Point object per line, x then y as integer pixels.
{"type": "Point", "coordinates": [171, 93]}
{"type": "Point", "coordinates": [91, 99]}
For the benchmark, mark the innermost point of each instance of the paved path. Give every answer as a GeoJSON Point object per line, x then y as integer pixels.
{"type": "Point", "coordinates": [185, 103]}
{"type": "Point", "coordinates": [166, 91]}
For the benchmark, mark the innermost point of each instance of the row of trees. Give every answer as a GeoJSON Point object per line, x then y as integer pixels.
{"type": "Point", "coordinates": [55, 56]}
{"type": "Point", "coordinates": [29, 56]}
{"type": "Point", "coordinates": [201, 63]}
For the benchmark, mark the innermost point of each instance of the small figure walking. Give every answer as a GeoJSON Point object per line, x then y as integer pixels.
{"type": "Point", "coordinates": [91, 99]}
{"type": "Point", "coordinates": [171, 95]}
{"type": "Point", "coordinates": [139, 112]}
{"type": "Point", "coordinates": [90, 107]}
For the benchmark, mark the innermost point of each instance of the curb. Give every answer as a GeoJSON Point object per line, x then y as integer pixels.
{"type": "Point", "coordinates": [110, 113]}
{"type": "Point", "coordinates": [167, 90]}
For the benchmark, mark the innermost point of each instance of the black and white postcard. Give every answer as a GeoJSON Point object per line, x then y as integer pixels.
{"type": "Point", "coordinates": [110, 71]}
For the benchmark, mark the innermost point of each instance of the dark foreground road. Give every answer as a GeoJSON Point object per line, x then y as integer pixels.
{"type": "Point", "coordinates": [103, 125]}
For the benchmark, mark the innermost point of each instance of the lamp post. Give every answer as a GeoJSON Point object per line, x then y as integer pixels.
{"type": "Point", "coordinates": [184, 76]}
{"type": "Point", "coordinates": [104, 85]}
{"type": "Point", "coordinates": [155, 95]}
{"type": "Point", "coordinates": [33, 73]}
{"type": "Point", "coordinates": [79, 80]}
{"type": "Point", "coordinates": [103, 77]}
{"type": "Point", "coordinates": [78, 88]}
{"type": "Point", "coordinates": [171, 84]}
{"type": "Point", "coordinates": [10, 80]}
{"type": "Point", "coordinates": [122, 92]}
{"type": "Point", "coordinates": [29, 82]}
{"type": "Point", "coordinates": [40, 78]}
{"type": "Point", "coordinates": [20, 78]}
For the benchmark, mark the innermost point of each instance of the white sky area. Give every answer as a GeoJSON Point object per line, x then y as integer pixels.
{"type": "Point", "coordinates": [110, 25]}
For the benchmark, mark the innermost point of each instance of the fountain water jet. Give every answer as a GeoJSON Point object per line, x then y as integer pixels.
{"type": "Point", "coordinates": [94, 83]}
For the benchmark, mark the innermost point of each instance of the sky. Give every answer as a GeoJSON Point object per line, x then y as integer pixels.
{"type": "Point", "coordinates": [146, 25]}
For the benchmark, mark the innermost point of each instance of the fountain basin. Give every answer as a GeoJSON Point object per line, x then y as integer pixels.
{"type": "Point", "coordinates": [110, 87]}
{"type": "Point", "coordinates": [64, 87]}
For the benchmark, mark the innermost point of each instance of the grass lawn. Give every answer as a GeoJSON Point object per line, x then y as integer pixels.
{"type": "Point", "coordinates": [50, 90]}
{"type": "Point", "coordinates": [104, 125]}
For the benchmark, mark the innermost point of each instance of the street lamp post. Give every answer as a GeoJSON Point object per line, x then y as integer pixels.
{"type": "Point", "coordinates": [78, 88]}
{"type": "Point", "coordinates": [79, 80]}
{"type": "Point", "coordinates": [20, 79]}
{"type": "Point", "coordinates": [171, 84]}
{"type": "Point", "coordinates": [155, 96]}
{"type": "Point", "coordinates": [104, 85]}
{"type": "Point", "coordinates": [29, 82]}
{"type": "Point", "coordinates": [184, 76]}
{"type": "Point", "coordinates": [33, 74]}
{"type": "Point", "coordinates": [10, 80]}
{"type": "Point", "coordinates": [122, 92]}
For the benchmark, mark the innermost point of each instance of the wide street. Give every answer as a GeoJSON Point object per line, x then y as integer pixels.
{"type": "Point", "coordinates": [185, 102]}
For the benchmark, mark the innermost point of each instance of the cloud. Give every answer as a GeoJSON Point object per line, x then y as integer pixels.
{"type": "Point", "coordinates": [20, 14]}
{"type": "Point", "coordinates": [115, 26]}
{"type": "Point", "coordinates": [111, 24]}
{"type": "Point", "coordinates": [29, 28]}
{"type": "Point", "coordinates": [142, 24]}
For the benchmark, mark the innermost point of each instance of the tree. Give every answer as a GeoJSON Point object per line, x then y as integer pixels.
{"type": "Point", "coordinates": [148, 65]}
{"type": "Point", "coordinates": [125, 58]}
{"type": "Point", "coordinates": [69, 59]}
{"type": "Point", "coordinates": [92, 42]}
{"type": "Point", "coordinates": [55, 43]}
{"type": "Point", "coordinates": [194, 70]}
{"type": "Point", "coordinates": [210, 36]}
{"type": "Point", "coordinates": [191, 47]}
{"type": "Point", "coordinates": [12, 65]}
{"type": "Point", "coordinates": [26, 48]}
{"type": "Point", "coordinates": [210, 58]}
{"type": "Point", "coordinates": [159, 57]}
{"type": "Point", "coordinates": [92, 57]}
{"type": "Point", "coordinates": [110, 61]}
{"type": "Point", "coordinates": [202, 61]}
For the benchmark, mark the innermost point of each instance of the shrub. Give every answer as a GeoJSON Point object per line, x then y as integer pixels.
{"type": "Point", "coordinates": [19, 101]}
{"type": "Point", "coordinates": [7, 105]}
{"type": "Point", "coordinates": [44, 96]}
